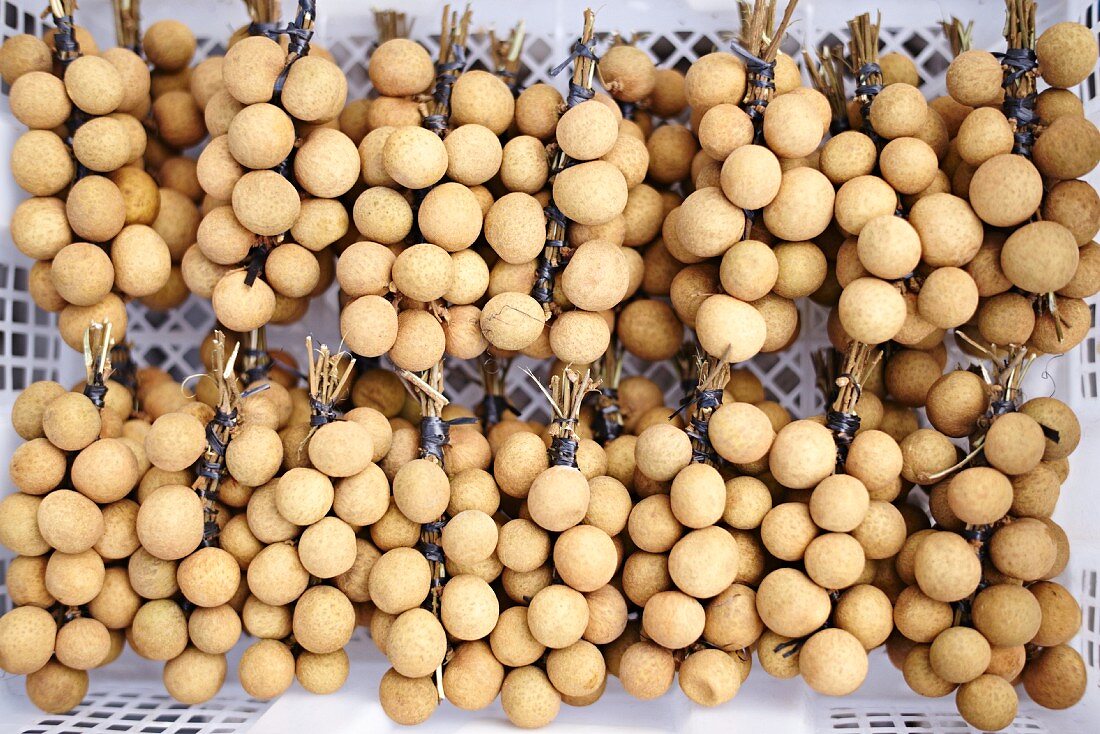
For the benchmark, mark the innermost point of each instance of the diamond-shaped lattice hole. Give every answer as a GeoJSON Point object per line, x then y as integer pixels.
{"type": "Point", "coordinates": [661, 49]}
{"type": "Point", "coordinates": [935, 65]}
{"type": "Point", "coordinates": [538, 51]}
{"type": "Point", "coordinates": [914, 45]}
{"type": "Point", "coordinates": [703, 46]}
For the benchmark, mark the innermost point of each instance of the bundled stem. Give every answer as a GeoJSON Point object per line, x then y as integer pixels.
{"type": "Point", "coordinates": [128, 24]}
{"type": "Point", "coordinates": [97, 361]}
{"type": "Point", "coordinates": [583, 58]}
{"type": "Point", "coordinates": [427, 388]}
{"type": "Point", "coordinates": [494, 376]}
{"type": "Point", "coordinates": [219, 430]}
{"type": "Point", "coordinates": [841, 381]}
{"type": "Point", "coordinates": [256, 361]}
{"type": "Point", "coordinates": [566, 395]}
{"type": "Point", "coordinates": [506, 55]}
{"type": "Point", "coordinates": [391, 24]}
{"type": "Point", "coordinates": [827, 76]}
{"type": "Point", "coordinates": [609, 418]}
{"type": "Point", "coordinates": [329, 374]}
{"type": "Point", "coordinates": [66, 47]}
{"type": "Point", "coordinates": [714, 374]}
{"type": "Point", "coordinates": [451, 62]}
{"type": "Point", "coordinates": [959, 35]}
{"type": "Point", "coordinates": [1021, 68]}
{"type": "Point", "coordinates": [758, 48]}
{"type": "Point", "coordinates": [863, 48]}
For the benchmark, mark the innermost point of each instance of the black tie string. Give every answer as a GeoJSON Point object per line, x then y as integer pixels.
{"type": "Point", "coordinates": [1021, 62]}
{"type": "Point", "coordinates": [577, 92]}
{"type": "Point", "coordinates": [435, 433]}
{"type": "Point", "coordinates": [545, 270]}
{"type": "Point", "coordinates": [446, 75]}
{"type": "Point", "coordinates": [761, 74]}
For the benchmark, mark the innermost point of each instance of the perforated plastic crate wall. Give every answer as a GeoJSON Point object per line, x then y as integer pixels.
{"type": "Point", "coordinates": [127, 696]}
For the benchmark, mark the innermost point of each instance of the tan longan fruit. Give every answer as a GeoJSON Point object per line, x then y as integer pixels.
{"type": "Point", "coordinates": [980, 495]}
{"type": "Point", "coordinates": [82, 644]}
{"type": "Point", "coordinates": [1067, 54]}
{"type": "Point", "coordinates": [723, 129]}
{"type": "Point", "coordinates": [420, 343]}
{"type": "Point", "coordinates": [1023, 550]}
{"type": "Point", "coordinates": [709, 677]}
{"type": "Point", "coordinates": [469, 608]}
{"type": "Point", "coordinates": [747, 503]}
{"type": "Point", "coordinates": [1076, 206]}
{"type": "Point", "coordinates": [1014, 443]}
{"type": "Point", "coordinates": [515, 227]}
{"type": "Point", "coordinates": [704, 562]}
{"type": "Point", "coordinates": [802, 454]}
{"type": "Point", "coordinates": [988, 702]}
{"type": "Point", "coordinates": [790, 603]}
{"type": "Point", "coordinates": [573, 189]}
{"type": "Point", "coordinates": [662, 451]}
{"type": "Point", "coordinates": [791, 126]}
{"type": "Point", "coordinates": [557, 616]}
{"type": "Point", "coordinates": [400, 68]}
{"type": "Point", "coordinates": [209, 577]}
{"type": "Point", "coordinates": [38, 165]}
{"type": "Point", "coordinates": [528, 698]}
{"type": "Point", "coordinates": [713, 79]}
{"type": "Point", "coordinates": [984, 134]}
{"type": "Point", "coordinates": [251, 67]}
{"type": "Point", "coordinates": [803, 206]}
{"type": "Point", "coordinates": [94, 85]}
{"type": "Point", "coordinates": [159, 630]}
{"type": "Point", "coordinates": [558, 498]}
{"type": "Point", "coordinates": [1055, 415]}
{"type": "Point", "coordinates": [834, 560]}
{"type": "Point", "coordinates": [82, 274]}
{"type": "Point", "coordinates": [38, 100]}
{"type": "Point", "coordinates": [650, 329]}
{"type": "Point", "coordinates": [882, 532]}
{"type": "Point", "coordinates": [888, 247]}
{"type": "Point", "coordinates": [848, 155]}
{"type": "Point", "coordinates": [512, 320]}
{"type": "Point", "coordinates": [369, 325]}
{"type": "Point", "coordinates": [708, 223]}
{"type": "Point", "coordinates": [1056, 679]}
{"type": "Point", "coordinates": [920, 676]}
{"type": "Point", "coordinates": [587, 131]}
{"type": "Point", "coordinates": [898, 111]}
{"type": "Point", "coordinates": [416, 643]}
{"type": "Point", "coordinates": [399, 580]}
{"type": "Point", "coordinates": [482, 98]}
{"type": "Point", "coordinates": [57, 689]}
{"type": "Point", "coordinates": [214, 630]}
{"type": "Point", "coordinates": [833, 662]}
{"type": "Point", "coordinates": [265, 202]}
{"type": "Point", "coordinates": [25, 53]}
{"type": "Point", "coordinates": [947, 568]}
{"type": "Point", "coordinates": [919, 617]}
{"type": "Point", "coordinates": [646, 670]}
{"type": "Point", "coordinates": [260, 136]}
{"type": "Point", "coordinates": [730, 329]}
{"type": "Point", "coordinates": [698, 495]}
{"type": "Point", "coordinates": [323, 620]}
{"type": "Point", "coordinates": [839, 503]}
{"type": "Point", "coordinates": [170, 522]}
{"type": "Point", "coordinates": [579, 337]}
{"type": "Point", "coordinates": [787, 530]}
{"type": "Point", "coordinates": [69, 521]}
{"type": "Point", "coordinates": [1006, 614]}
{"type": "Point", "coordinates": [37, 467]}
{"type": "Point", "coordinates": [414, 157]}
{"type": "Point", "coordinates": [315, 90]}
{"type": "Point", "coordinates": [974, 78]}
{"type": "Point", "coordinates": [1070, 150]}
{"type": "Point", "coordinates": [30, 406]}
{"type": "Point", "coordinates": [956, 401]}
{"type": "Point", "coordinates": [1061, 614]}
{"type": "Point", "coordinates": [39, 227]}
{"type": "Point", "coordinates": [70, 422]}
{"type": "Point", "coordinates": [749, 270]}
{"type": "Point", "coordinates": [595, 278]}
{"type": "Point", "coordinates": [27, 637]}
{"type": "Point", "coordinates": [585, 558]}
{"type": "Point", "coordinates": [266, 669]}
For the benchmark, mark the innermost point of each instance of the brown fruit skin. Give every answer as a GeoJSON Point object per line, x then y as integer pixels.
{"type": "Point", "coordinates": [57, 689]}
{"type": "Point", "coordinates": [988, 703]}
{"type": "Point", "coordinates": [1056, 679]}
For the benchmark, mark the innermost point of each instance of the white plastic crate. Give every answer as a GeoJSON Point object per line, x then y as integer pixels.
{"type": "Point", "coordinates": [127, 696]}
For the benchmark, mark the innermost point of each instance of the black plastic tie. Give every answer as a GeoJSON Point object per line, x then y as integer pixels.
{"type": "Point", "coordinates": [321, 413]}
{"type": "Point", "coordinates": [435, 433]}
{"type": "Point", "coordinates": [581, 49]}
{"type": "Point", "coordinates": [96, 392]}
{"type": "Point", "coordinates": [563, 451]}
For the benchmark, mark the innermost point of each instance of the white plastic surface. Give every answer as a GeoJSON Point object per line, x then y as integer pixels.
{"type": "Point", "coordinates": [127, 695]}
